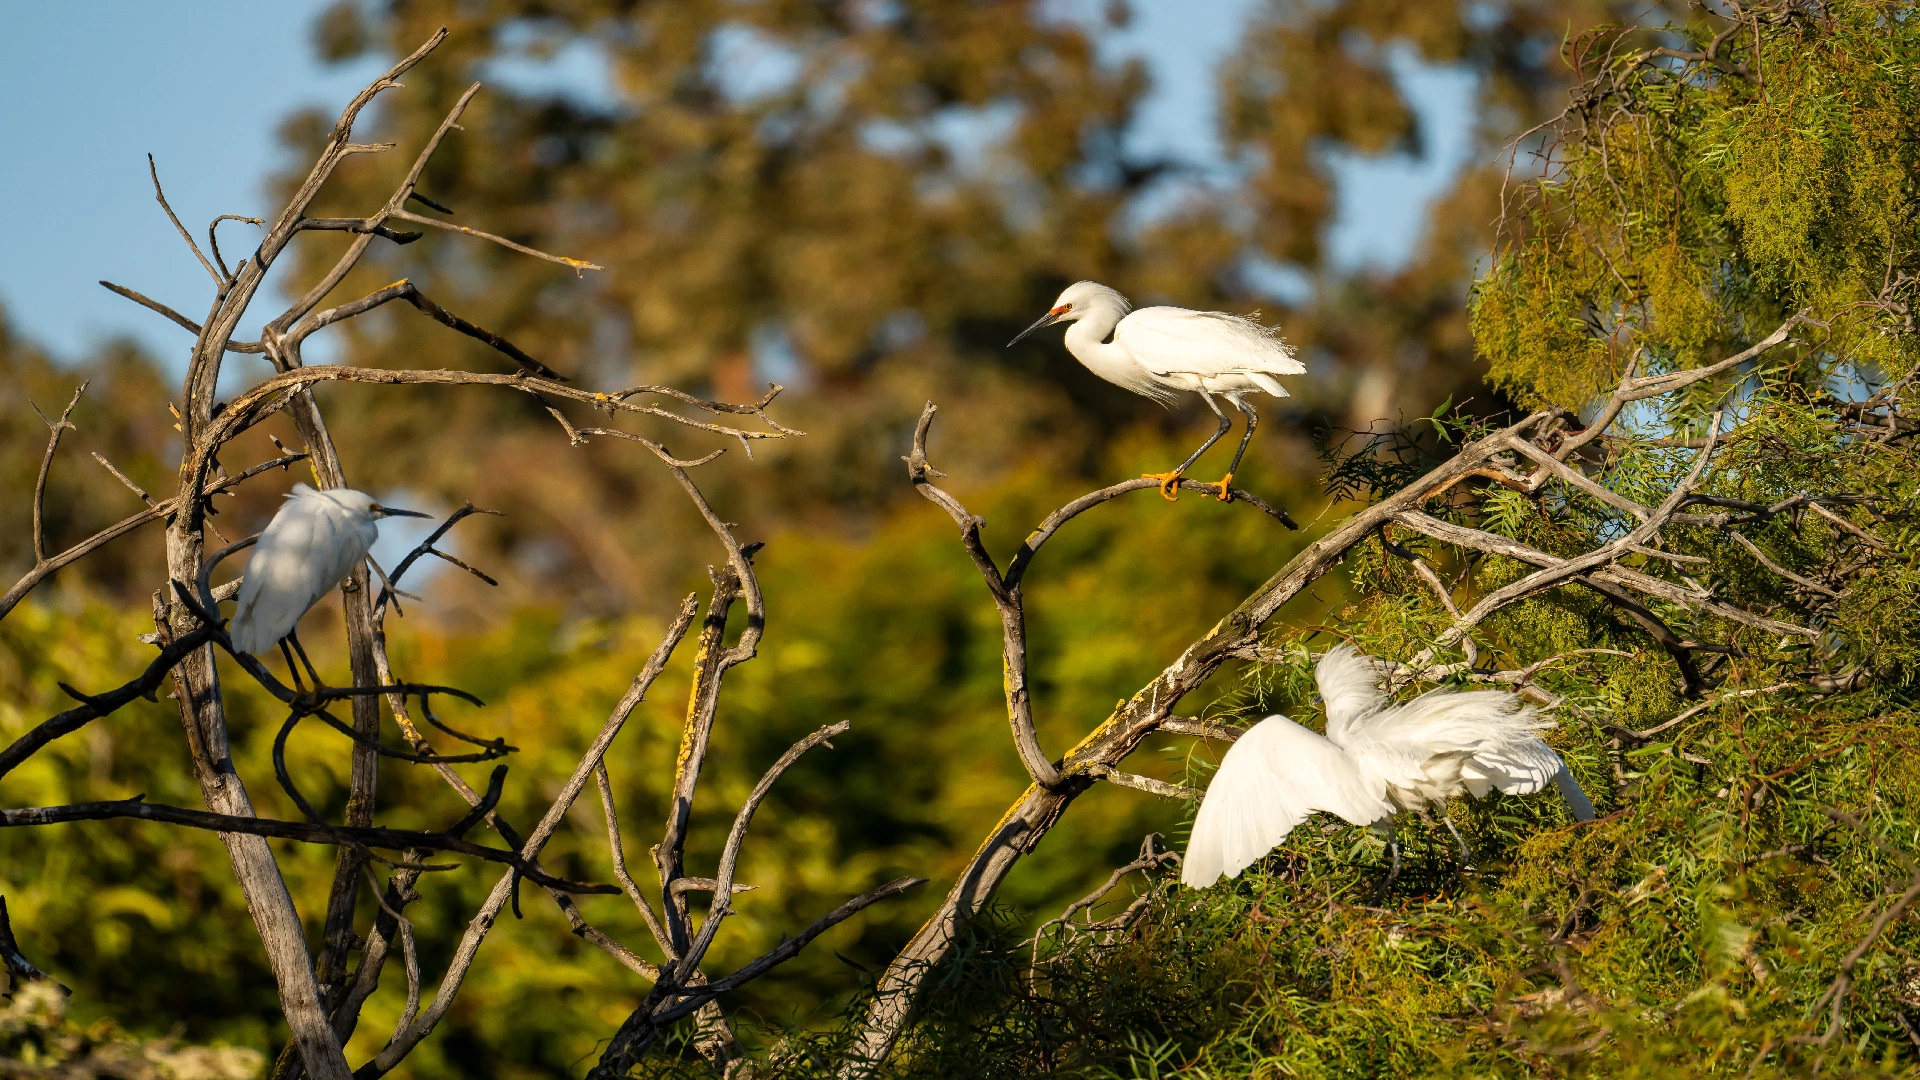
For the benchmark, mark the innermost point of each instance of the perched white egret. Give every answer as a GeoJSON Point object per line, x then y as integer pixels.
{"type": "Point", "coordinates": [1375, 759]}
{"type": "Point", "coordinates": [1159, 352]}
{"type": "Point", "coordinates": [309, 547]}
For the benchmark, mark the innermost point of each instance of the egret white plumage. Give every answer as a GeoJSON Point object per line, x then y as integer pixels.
{"type": "Point", "coordinates": [1159, 352]}
{"type": "Point", "coordinates": [310, 546]}
{"type": "Point", "coordinates": [1376, 758]}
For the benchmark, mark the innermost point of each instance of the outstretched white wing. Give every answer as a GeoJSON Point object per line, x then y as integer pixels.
{"type": "Point", "coordinates": [1172, 340]}
{"type": "Point", "coordinates": [1269, 781]}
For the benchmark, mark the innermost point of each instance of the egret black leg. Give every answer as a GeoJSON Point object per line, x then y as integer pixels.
{"type": "Point", "coordinates": [1466, 856]}
{"type": "Point", "coordinates": [1253, 421]}
{"type": "Point", "coordinates": [1170, 481]}
{"type": "Point", "coordinates": [294, 637]}
{"type": "Point", "coordinates": [292, 669]}
{"type": "Point", "coordinates": [1385, 831]}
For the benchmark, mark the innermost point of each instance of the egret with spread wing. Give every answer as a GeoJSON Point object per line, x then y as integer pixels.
{"type": "Point", "coordinates": [1376, 758]}
{"type": "Point", "coordinates": [1159, 352]}
{"type": "Point", "coordinates": [310, 546]}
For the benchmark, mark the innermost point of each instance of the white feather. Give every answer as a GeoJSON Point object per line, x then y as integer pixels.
{"type": "Point", "coordinates": [1375, 758]}
{"type": "Point", "coordinates": [1349, 686]}
{"type": "Point", "coordinates": [1271, 778]}
{"type": "Point", "coordinates": [310, 546]}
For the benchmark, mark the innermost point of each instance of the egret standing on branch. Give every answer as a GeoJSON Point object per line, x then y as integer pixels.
{"type": "Point", "coordinates": [1375, 759]}
{"type": "Point", "coordinates": [309, 547]}
{"type": "Point", "coordinates": [1158, 352]}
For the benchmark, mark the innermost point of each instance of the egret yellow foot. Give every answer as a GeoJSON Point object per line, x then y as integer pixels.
{"type": "Point", "coordinates": [1226, 495]}
{"type": "Point", "coordinates": [1169, 483]}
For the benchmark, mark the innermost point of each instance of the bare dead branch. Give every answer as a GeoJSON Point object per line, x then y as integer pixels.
{"type": "Point", "coordinates": [709, 667]}
{"type": "Point", "coordinates": [304, 831]}
{"type": "Point", "coordinates": [55, 429]}
{"type": "Point", "coordinates": [1143, 783]}
{"type": "Point", "coordinates": [158, 511]}
{"type": "Point", "coordinates": [1149, 860]}
{"type": "Point", "coordinates": [426, 547]}
{"type": "Point", "coordinates": [1633, 389]}
{"type": "Point", "coordinates": [618, 849]}
{"type": "Point", "coordinates": [1715, 703]}
{"type": "Point", "coordinates": [213, 239]}
{"type": "Point", "coordinates": [124, 479]}
{"type": "Point", "coordinates": [1761, 557]}
{"type": "Point", "coordinates": [351, 257]}
{"type": "Point", "coordinates": [262, 400]}
{"type": "Point", "coordinates": [95, 706]}
{"type": "Point", "coordinates": [791, 947]}
{"type": "Point", "coordinates": [482, 922]}
{"type": "Point", "coordinates": [18, 966]}
{"type": "Point", "coordinates": [643, 1026]}
{"type": "Point", "coordinates": [408, 291]}
{"type": "Point", "coordinates": [1589, 567]}
{"type": "Point", "coordinates": [358, 225]}
{"type": "Point", "coordinates": [1181, 726]}
{"type": "Point", "coordinates": [159, 196]}
{"type": "Point", "coordinates": [576, 265]}
{"type": "Point", "coordinates": [730, 854]}
{"type": "Point", "coordinates": [1836, 994]}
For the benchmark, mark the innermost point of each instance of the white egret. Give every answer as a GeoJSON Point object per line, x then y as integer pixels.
{"type": "Point", "coordinates": [1376, 758]}
{"type": "Point", "coordinates": [310, 546]}
{"type": "Point", "coordinates": [1158, 352]}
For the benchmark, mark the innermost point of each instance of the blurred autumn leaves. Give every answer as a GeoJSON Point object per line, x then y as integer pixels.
{"type": "Point", "coordinates": [864, 201]}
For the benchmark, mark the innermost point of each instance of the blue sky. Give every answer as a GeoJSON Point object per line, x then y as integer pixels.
{"type": "Point", "coordinates": [203, 87]}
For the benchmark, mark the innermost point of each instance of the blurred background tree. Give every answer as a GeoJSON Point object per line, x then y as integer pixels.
{"type": "Point", "coordinates": [865, 201]}
{"type": "Point", "coordinates": [862, 201]}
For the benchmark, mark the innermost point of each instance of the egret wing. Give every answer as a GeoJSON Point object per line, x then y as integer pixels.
{"type": "Point", "coordinates": [1171, 340]}
{"type": "Point", "coordinates": [1521, 767]}
{"type": "Point", "coordinates": [303, 553]}
{"type": "Point", "coordinates": [1269, 781]}
{"type": "Point", "coordinates": [1349, 685]}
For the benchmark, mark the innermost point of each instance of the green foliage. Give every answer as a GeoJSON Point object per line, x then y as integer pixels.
{"type": "Point", "coordinates": [1688, 211]}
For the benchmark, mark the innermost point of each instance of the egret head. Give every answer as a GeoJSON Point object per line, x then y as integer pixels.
{"type": "Point", "coordinates": [361, 504]}
{"type": "Point", "coordinates": [1080, 300]}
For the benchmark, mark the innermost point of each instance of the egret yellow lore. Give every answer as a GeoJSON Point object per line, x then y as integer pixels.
{"type": "Point", "coordinates": [310, 546]}
{"type": "Point", "coordinates": [1376, 759]}
{"type": "Point", "coordinates": [1160, 352]}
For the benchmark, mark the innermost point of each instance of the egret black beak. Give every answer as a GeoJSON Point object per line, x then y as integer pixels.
{"type": "Point", "coordinates": [389, 511]}
{"type": "Point", "coordinates": [1041, 323]}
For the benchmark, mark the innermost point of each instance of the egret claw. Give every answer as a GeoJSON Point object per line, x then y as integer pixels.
{"type": "Point", "coordinates": [1169, 483]}
{"type": "Point", "coordinates": [1226, 494]}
